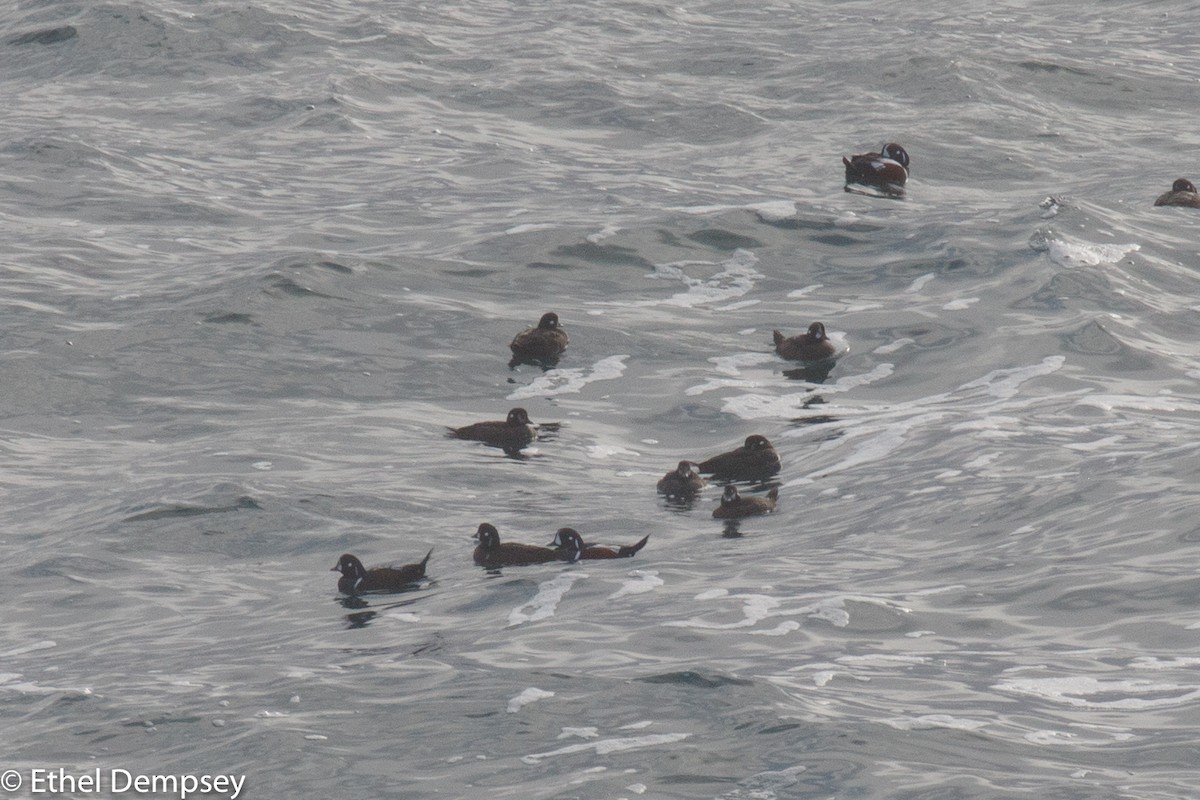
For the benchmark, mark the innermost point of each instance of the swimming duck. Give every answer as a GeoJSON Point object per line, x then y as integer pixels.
{"type": "Point", "coordinates": [512, 433]}
{"type": "Point", "coordinates": [568, 542]}
{"type": "Point", "coordinates": [355, 578]}
{"type": "Point", "coordinates": [811, 346]}
{"type": "Point", "coordinates": [754, 460]}
{"type": "Point", "coordinates": [734, 506]}
{"type": "Point", "coordinates": [1183, 193]}
{"type": "Point", "coordinates": [683, 481]}
{"type": "Point", "coordinates": [491, 553]}
{"type": "Point", "coordinates": [887, 169]}
{"type": "Point", "coordinates": [543, 344]}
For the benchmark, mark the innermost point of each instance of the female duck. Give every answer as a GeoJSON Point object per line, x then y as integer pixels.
{"type": "Point", "coordinates": [814, 345]}
{"type": "Point", "coordinates": [754, 461]}
{"type": "Point", "coordinates": [734, 506]}
{"type": "Point", "coordinates": [512, 433]}
{"type": "Point", "coordinates": [543, 344]}
{"type": "Point", "coordinates": [683, 481]}
{"type": "Point", "coordinates": [1183, 193]}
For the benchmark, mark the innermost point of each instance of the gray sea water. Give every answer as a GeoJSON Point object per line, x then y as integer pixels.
{"type": "Point", "coordinates": [257, 256]}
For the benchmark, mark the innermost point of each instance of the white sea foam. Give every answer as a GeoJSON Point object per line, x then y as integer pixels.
{"type": "Point", "coordinates": [759, 607]}
{"type": "Point", "coordinates": [645, 581]}
{"type": "Point", "coordinates": [570, 381]}
{"type": "Point", "coordinates": [755, 608]}
{"type": "Point", "coordinates": [920, 282]}
{"type": "Point", "coordinates": [775, 210]}
{"type": "Point", "coordinates": [785, 406]}
{"type": "Point", "coordinates": [529, 227]}
{"type": "Point", "coordinates": [530, 695]}
{"type": "Point", "coordinates": [893, 346]}
{"type": "Point", "coordinates": [605, 746]}
{"type": "Point", "coordinates": [1082, 691]}
{"type": "Point", "coordinates": [1005, 383]}
{"type": "Point", "coordinates": [764, 785]}
{"type": "Point", "coordinates": [1068, 252]}
{"type": "Point", "coordinates": [579, 733]}
{"type": "Point", "coordinates": [732, 365]}
{"type": "Point", "coordinates": [804, 291]}
{"type": "Point", "coordinates": [545, 602]}
{"type": "Point", "coordinates": [736, 279]}
{"type": "Point", "coordinates": [32, 647]}
{"type": "Point", "coordinates": [1053, 737]}
{"type": "Point", "coordinates": [602, 451]}
{"type": "Point", "coordinates": [927, 722]}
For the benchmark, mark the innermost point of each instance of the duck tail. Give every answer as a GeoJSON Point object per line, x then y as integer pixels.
{"type": "Point", "coordinates": [778, 337]}
{"type": "Point", "coordinates": [627, 551]}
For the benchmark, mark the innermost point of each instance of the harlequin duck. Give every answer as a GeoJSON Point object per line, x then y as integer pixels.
{"type": "Point", "coordinates": [811, 346]}
{"type": "Point", "coordinates": [887, 169]}
{"type": "Point", "coordinates": [387, 578]}
{"type": "Point", "coordinates": [683, 481]}
{"type": "Point", "coordinates": [491, 553]}
{"type": "Point", "coordinates": [734, 506]}
{"type": "Point", "coordinates": [543, 344]}
{"type": "Point", "coordinates": [754, 460]}
{"type": "Point", "coordinates": [511, 434]}
{"type": "Point", "coordinates": [1183, 193]}
{"type": "Point", "coordinates": [568, 542]}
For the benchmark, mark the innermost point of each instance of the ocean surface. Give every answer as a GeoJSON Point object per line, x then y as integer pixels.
{"type": "Point", "coordinates": [258, 256]}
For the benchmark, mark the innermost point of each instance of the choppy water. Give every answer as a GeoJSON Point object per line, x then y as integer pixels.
{"type": "Point", "coordinates": [258, 257]}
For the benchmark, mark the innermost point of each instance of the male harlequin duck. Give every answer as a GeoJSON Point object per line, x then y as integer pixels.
{"type": "Point", "coordinates": [734, 506]}
{"type": "Point", "coordinates": [754, 460]}
{"type": "Point", "coordinates": [511, 434]}
{"type": "Point", "coordinates": [356, 579]}
{"type": "Point", "coordinates": [1183, 193]}
{"type": "Point", "coordinates": [811, 346]}
{"type": "Point", "coordinates": [683, 481]}
{"type": "Point", "coordinates": [568, 542]}
{"type": "Point", "coordinates": [491, 553]}
{"type": "Point", "coordinates": [887, 169]}
{"type": "Point", "coordinates": [544, 344]}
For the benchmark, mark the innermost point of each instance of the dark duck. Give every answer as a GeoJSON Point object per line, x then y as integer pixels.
{"type": "Point", "coordinates": [813, 345]}
{"type": "Point", "coordinates": [568, 542]}
{"type": "Point", "coordinates": [356, 579]}
{"type": "Point", "coordinates": [492, 553]}
{"type": "Point", "coordinates": [683, 481]}
{"type": "Point", "coordinates": [1183, 193]}
{"type": "Point", "coordinates": [734, 506]}
{"type": "Point", "coordinates": [540, 345]}
{"type": "Point", "coordinates": [886, 170]}
{"type": "Point", "coordinates": [753, 461]}
{"type": "Point", "coordinates": [512, 433]}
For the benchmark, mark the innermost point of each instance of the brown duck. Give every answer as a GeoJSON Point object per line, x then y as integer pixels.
{"type": "Point", "coordinates": [813, 345]}
{"type": "Point", "coordinates": [355, 578]}
{"type": "Point", "coordinates": [543, 344]}
{"type": "Point", "coordinates": [734, 506]}
{"type": "Point", "coordinates": [753, 461]}
{"type": "Point", "coordinates": [1183, 193]}
{"type": "Point", "coordinates": [887, 169]}
{"type": "Point", "coordinates": [683, 481]}
{"type": "Point", "coordinates": [491, 553]}
{"type": "Point", "coordinates": [512, 433]}
{"type": "Point", "coordinates": [568, 542]}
